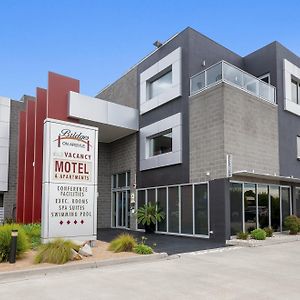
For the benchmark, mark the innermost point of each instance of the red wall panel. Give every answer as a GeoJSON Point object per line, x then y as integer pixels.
{"type": "Point", "coordinates": [40, 116]}
{"type": "Point", "coordinates": [29, 156]}
{"type": "Point", "coordinates": [21, 162]}
{"type": "Point", "coordinates": [51, 103]}
{"type": "Point", "coordinates": [58, 95]}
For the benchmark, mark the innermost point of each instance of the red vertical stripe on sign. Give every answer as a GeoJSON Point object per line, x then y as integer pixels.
{"type": "Point", "coordinates": [21, 162]}
{"type": "Point", "coordinates": [40, 116]}
{"type": "Point", "coordinates": [29, 156]}
{"type": "Point", "coordinates": [58, 96]}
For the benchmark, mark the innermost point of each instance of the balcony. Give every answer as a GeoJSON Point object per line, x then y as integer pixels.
{"type": "Point", "coordinates": [225, 72]}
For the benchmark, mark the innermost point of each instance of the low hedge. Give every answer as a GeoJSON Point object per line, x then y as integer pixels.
{"type": "Point", "coordinates": [292, 223]}
{"type": "Point", "coordinates": [258, 234]}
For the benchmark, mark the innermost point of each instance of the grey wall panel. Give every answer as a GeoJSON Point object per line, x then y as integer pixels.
{"type": "Point", "coordinates": [219, 201]}
{"type": "Point", "coordinates": [270, 59]}
{"type": "Point", "coordinates": [123, 91]}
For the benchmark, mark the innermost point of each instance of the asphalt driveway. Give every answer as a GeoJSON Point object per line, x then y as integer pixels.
{"type": "Point", "coordinates": [164, 243]}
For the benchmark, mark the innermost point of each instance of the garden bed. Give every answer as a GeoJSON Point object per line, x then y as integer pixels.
{"type": "Point", "coordinates": [100, 252]}
{"type": "Point", "coordinates": [277, 238]}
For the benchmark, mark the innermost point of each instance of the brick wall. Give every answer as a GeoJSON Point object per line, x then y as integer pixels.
{"type": "Point", "coordinates": [251, 132]}
{"type": "Point", "coordinates": [123, 158]}
{"type": "Point", "coordinates": [207, 135]}
{"type": "Point", "coordinates": [113, 158]}
{"type": "Point", "coordinates": [224, 120]}
{"type": "Point", "coordinates": [123, 91]}
{"type": "Point", "coordinates": [10, 196]}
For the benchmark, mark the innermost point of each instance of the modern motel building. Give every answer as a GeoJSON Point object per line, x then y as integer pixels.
{"type": "Point", "coordinates": [211, 136]}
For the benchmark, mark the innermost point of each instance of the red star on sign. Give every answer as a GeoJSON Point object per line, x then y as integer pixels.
{"type": "Point", "coordinates": [81, 221]}
{"type": "Point", "coordinates": [75, 222]}
{"type": "Point", "coordinates": [61, 222]}
{"type": "Point", "coordinates": [68, 222]}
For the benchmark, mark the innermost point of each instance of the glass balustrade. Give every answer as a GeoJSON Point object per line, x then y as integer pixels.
{"type": "Point", "coordinates": [225, 72]}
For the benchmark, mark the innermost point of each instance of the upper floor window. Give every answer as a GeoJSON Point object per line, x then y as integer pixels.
{"type": "Point", "coordinates": [266, 78]}
{"type": "Point", "coordinates": [160, 143]}
{"type": "Point", "coordinates": [295, 93]}
{"type": "Point", "coordinates": [159, 85]}
{"type": "Point", "coordinates": [298, 147]}
{"type": "Point", "coordinates": [161, 82]}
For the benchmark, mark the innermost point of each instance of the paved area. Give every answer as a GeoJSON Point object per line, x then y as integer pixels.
{"type": "Point", "coordinates": [270, 272]}
{"type": "Point", "coordinates": [170, 244]}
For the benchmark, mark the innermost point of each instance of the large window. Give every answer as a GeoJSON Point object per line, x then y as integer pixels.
{"type": "Point", "coordinates": [250, 206]}
{"type": "Point", "coordinates": [275, 207]}
{"type": "Point", "coordinates": [159, 85]}
{"type": "Point", "coordinates": [161, 143]}
{"type": "Point", "coordinates": [162, 205]}
{"type": "Point", "coordinates": [262, 205]}
{"type": "Point", "coordinates": [173, 211]}
{"type": "Point", "coordinates": [285, 203]}
{"type": "Point", "coordinates": [185, 207]}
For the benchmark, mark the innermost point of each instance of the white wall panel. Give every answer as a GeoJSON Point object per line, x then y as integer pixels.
{"type": "Point", "coordinates": [4, 141]}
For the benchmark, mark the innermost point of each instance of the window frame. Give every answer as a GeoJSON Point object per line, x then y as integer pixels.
{"type": "Point", "coordinates": [173, 62]}
{"type": "Point", "coordinates": [155, 79]}
{"type": "Point", "coordinates": [151, 138]}
{"type": "Point", "coordinates": [147, 162]}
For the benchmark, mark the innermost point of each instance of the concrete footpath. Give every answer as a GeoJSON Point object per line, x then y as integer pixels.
{"type": "Point", "coordinates": [270, 272]}
{"type": "Point", "coordinates": [43, 271]}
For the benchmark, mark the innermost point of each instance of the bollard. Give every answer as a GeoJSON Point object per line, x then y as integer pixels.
{"type": "Point", "coordinates": [13, 246]}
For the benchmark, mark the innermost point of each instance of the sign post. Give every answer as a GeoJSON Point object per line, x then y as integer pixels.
{"type": "Point", "coordinates": [69, 205]}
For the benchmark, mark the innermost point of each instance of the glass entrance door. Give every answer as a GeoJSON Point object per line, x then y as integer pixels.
{"type": "Point", "coordinates": [122, 209]}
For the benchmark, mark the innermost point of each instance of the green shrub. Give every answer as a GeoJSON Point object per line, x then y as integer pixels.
{"type": "Point", "coordinates": [56, 252]}
{"type": "Point", "coordinates": [142, 249]}
{"type": "Point", "coordinates": [5, 238]}
{"type": "Point", "coordinates": [242, 235]}
{"type": "Point", "coordinates": [258, 234]}
{"type": "Point", "coordinates": [292, 223]}
{"type": "Point", "coordinates": [122, 243]}
{"type": "Point", "coordinates": [33, 232]}
{"type": "Point", "coordinates": [269, 231]}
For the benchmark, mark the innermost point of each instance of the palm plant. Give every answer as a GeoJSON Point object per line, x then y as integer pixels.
{"type": "Point", "coordinates": [148, 215]}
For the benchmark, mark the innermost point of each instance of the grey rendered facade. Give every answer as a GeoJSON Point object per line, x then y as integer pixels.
{"type": "Point", "coordinates": [211, 136]}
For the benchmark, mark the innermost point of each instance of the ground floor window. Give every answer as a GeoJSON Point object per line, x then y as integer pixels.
{"type": "Point", "coordinates": [258, 205]}
{"type": "Point", "coordinates": [185, 206]}
{"type": "Point", "coordinates": [120, 200]}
